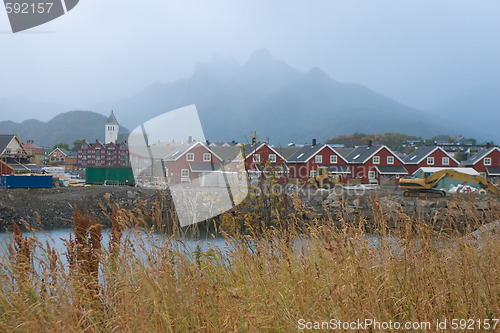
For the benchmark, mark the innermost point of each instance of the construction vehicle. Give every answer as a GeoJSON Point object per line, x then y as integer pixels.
{"type": "Point", "coordinates": [426, 186]}
{"type": "Point", "coordinates": [323, 179]}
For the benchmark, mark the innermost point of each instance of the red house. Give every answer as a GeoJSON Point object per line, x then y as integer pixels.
{"type": "Point", "coordinates": [486, 162]}
{"type": "Point", "coordinates": [259, 155]}
{"type": "Point", "coordinates": [375, 165]}
{"type": "Point", "coordinates": [188, 162]}
{"type": "Point", "coordinates": [428, 156]}
{"type": "Point", "coordinates": [304, 163]}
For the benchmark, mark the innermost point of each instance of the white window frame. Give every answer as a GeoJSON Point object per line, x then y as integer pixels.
{"type": "Point", "coordinates": [445, 161]}
{"type": "Point", "coordinates": [256, 158]}
{"type": "Point", "coordinates": [482, 174]}
{"type": "Point", "coordinates": [313, 173]}
{"type": "Point", "coordinates": [390, 159]}
{"type": "Point", "coordinates": [487, 161]}
{"type": "Point", "coordinates": [272, 158]}
{"type": "Point", "coordinates": [190, 157]}
{"type": "Point", "coordinates": [372, 175]}
{"type": "Point", "coordinates": [207, 157]}
{"type": "Point", "coordinates": [333, 159]}
{"type": "Point", "coordinates": [376, 159]}
{"type": "Point", "coordinates": [318, 159]}
{"type": "Point", "coordinates": [430, 160]}
{"type": "Point", "coordinates": [184, 173]}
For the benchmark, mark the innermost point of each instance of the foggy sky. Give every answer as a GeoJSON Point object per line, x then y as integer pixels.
{"type": "Point", "coordinates": [418, 52]}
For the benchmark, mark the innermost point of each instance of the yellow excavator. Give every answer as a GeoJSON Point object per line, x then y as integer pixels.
{"type": "Point", "coordinates": [323, 179]}
{"type": "Point", "coordinates": [426, 186]}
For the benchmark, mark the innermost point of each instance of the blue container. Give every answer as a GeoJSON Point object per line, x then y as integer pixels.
{"type": "Point", "coordinates": [28, 181]}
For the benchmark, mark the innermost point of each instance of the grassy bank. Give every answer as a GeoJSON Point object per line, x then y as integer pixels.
{"type": "Point", "coordinates": [269, 277]}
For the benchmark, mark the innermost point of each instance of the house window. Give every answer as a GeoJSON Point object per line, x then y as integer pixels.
{"type": "Point", "coordinates": [376, 159]}
{"type": "Point", "coordinates": [185, 173]}
{"type": "Point", "coordinates": [445, 161]}
{"type": "Point", "coordinates": [190, 157]}
{"type": "Point", "coordinates": [313, 173]}
{"type": "Point", "coordinates": [272, 158]}
{"type": "Point", "coordinates": [371, 174]}
{"type": "Point", "coordinates": [482, 174]}
{"type": "Point", "coordinates": [430, 160]}
{"type": "Point", "coordinates": [487, 161]}
{"type": "Point", "coordinates": [333, 159]}
{"type": "Point", "coordinates": [207, 157]}
{"type": "Point", "coordinates": [390, 159]}
{"type": "Point", "coordinates": [256, 158]}
{"type": "Point", "coordinates": [318, 159]}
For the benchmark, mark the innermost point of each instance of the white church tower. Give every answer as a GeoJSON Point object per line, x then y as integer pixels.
{"type": "Point", "coordinates": [111, 130]}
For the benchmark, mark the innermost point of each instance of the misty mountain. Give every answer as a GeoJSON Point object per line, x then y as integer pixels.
{"type": "Point", "coordinates": [276, 100]}
{"type": "Point", "coordinates": [64, 128]}
{"type": "Point", "coordinates": [474, 112]}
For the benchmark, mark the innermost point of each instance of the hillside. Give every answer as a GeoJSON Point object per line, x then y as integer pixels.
{"type": "Point", "coordinates": [276, 100]}
{"type": "Point", "coordinates": [65, 128]}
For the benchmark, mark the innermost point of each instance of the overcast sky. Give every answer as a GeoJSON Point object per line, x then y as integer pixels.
{"type": "Point", "coordinates": [417, 52]}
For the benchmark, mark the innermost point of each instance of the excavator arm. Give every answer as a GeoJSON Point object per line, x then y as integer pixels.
{"type": "Point", "coordinates": [428, 185]}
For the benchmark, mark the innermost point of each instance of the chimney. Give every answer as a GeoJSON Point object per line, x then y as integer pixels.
{"type": "Point", "coordinates": [314, 142]}
{"type": "Point", "coordinates": [370, 143]}
{"type": "Point", "coordinates": [190, 139]}
{"type": "Point", "coordinates": [487, 145]}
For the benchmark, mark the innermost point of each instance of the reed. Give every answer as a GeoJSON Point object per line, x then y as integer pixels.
{"type": "Point", "coordinates": [266, 278]}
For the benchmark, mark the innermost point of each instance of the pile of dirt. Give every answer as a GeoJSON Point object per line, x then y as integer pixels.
{"type": "Point", "coordinates": [55, 206]}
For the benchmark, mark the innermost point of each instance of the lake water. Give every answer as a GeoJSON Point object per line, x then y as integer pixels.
{"type": "Point", "coordinates": [56, 238]}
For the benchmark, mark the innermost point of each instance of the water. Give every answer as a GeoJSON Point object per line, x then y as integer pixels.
{"type": "Point", "coordinates": [56, 237]}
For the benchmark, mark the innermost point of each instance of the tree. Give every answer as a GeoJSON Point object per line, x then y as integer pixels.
{"type": "Point", "coordinates": [76, 144]}
{"type": "Point", "coordinates": [61, 145]}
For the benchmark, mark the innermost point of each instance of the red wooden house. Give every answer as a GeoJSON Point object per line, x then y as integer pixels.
{"type": "Point", "coordinates": [261, 155]}
{"type": "Point", "coordinates": [304, 163]}
{"type": "Point", "coordinates": [428, 156]}
{"type": "Point", "coordinates": [188, 162]}
{"type": "Point", "coordinates": [375, 165]}
{"type": "Point", "coordinates": [486, 162]}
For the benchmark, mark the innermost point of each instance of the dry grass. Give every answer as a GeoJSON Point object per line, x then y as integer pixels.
{"type": "Point", "coordinates": [261, 281]}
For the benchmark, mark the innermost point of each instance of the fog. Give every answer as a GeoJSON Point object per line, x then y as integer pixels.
{"type": "Point", "coordinates": [420, 53]}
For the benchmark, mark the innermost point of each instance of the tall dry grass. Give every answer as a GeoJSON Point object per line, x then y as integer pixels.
{"type": "Point", "coordinates": [264, 279]}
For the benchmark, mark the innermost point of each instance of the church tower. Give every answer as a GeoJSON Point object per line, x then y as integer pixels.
{"type": "Point", "coordinates": [111, 129]}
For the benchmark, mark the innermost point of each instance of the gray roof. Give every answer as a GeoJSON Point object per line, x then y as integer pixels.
{"type": "Point", "coordinates": [362, 153]}
{"type": "Point", "coordinates": [287, 152]}
{"type": "Point", "coordinates": [391, 170]}
{"type": "Point", "coordinates": [478, 156]}
{"type": "Point", "coordinates": [112, 119]}
{"type": "Point", "coordinates": [306, 152]}
{"type": "Point", "coordinates": [344, 151]}
{"type": "Point", "coordinates": [5, 140]}
{"type": "Point", "coordinates": [493, 171]}
{"type": "Point", "coordinates": [419, 154]}
{"type": "Point", "coordinates": [176, 151]}
{"type": "Point", "coordinates": [227, 154]}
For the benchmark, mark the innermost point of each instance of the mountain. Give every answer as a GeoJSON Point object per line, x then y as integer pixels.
{"type": "Point", "coordinates": [475, 111]}
{"type": "Point", "coordinates": [64, 128]}
{"type": "Point", "coordinates": [276, 100]}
